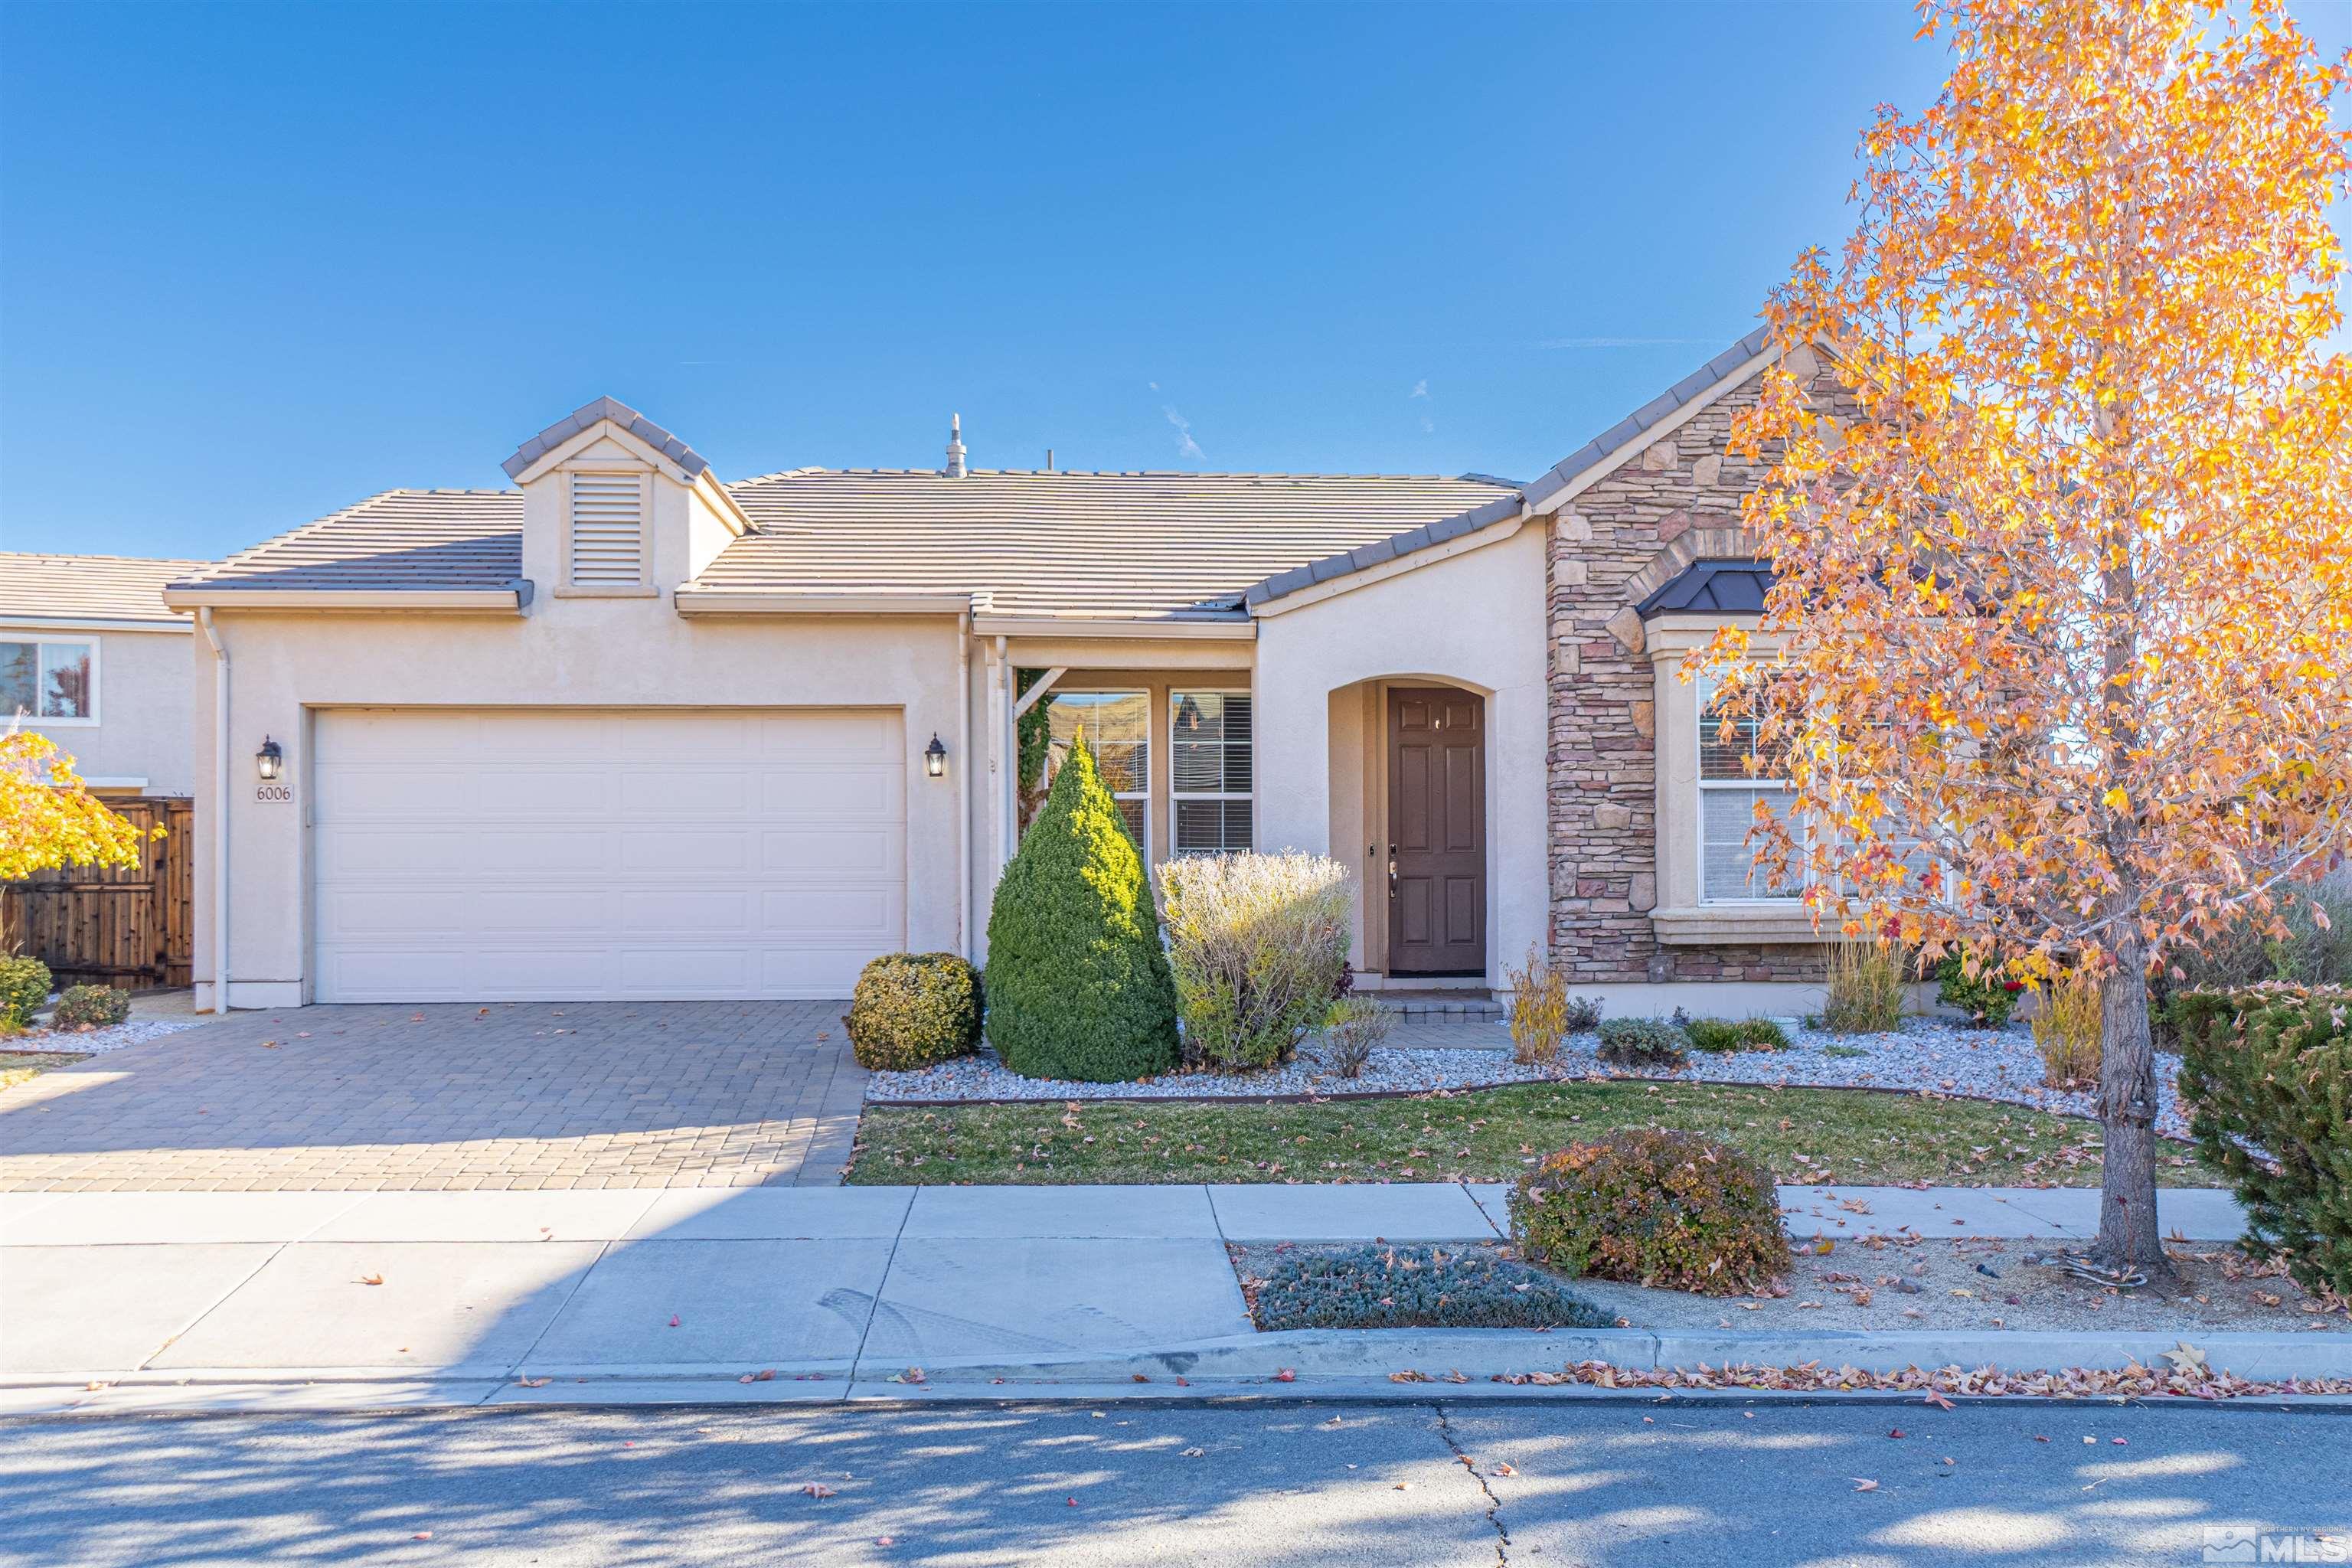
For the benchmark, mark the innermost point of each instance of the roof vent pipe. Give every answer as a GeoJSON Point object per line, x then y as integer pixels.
{"type": "Point", "coordinates": [1049, 459]}
{"type": "Point", "coordinates": [955, 447]}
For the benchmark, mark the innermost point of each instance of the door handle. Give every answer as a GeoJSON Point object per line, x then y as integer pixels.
{"type": "Point", "coordinates": [1392, 876]}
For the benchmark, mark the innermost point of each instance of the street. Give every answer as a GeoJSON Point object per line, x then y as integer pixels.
{"type": "Point", "coordinates": [1109, 1484]}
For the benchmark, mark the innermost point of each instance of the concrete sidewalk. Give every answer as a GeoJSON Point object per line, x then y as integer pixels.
{"type": "Point", "coordinates": [475, 1296]}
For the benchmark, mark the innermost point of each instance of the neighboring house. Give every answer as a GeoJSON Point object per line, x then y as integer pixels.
{"type": "Point", "coordinates": [91, 657]}
{"type": "Point", "coordinates": [628, 730]}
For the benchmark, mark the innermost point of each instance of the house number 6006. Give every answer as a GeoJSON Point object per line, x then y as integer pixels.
{"type": "Point", "coordinates": [277, 794]}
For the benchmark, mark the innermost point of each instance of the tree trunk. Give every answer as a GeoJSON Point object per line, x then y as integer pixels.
{"type": "Point", "coordinates": [2128, 1234]}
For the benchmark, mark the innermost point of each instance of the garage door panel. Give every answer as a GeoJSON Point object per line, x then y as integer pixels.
{"type": "Point", "coordinates": [686, 909]}
{"type": "Point", "coordinates": [854, 915]}
{"type": "Point", "coordinates": [535, 855]}
{"type": "Point", "coordinates": [839, 737]}
{"type": "Point", "coordinates": [684, 791]}
{"type": "Point", "coordinates": [845, 851]}
{"type": "Point", "coordinates": [872, 792]}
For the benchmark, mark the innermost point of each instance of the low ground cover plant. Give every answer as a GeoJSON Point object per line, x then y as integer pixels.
{"type": "Point", "coordinates": [89, 1008]}
{"type": "Point", "coordinates": [912, 1010]}
{"type": "Point", "coordinates": [1354, 1029]}
{"type": "Point", "coordinates": [1726, 1034]}
{"type": "Point", "coordinates": [1258, 945]}
{"type": "Point", "coordinates": [23, 986]}
{"type": "Point", "coordinates": [1865, 989]}
{"type": "Point", "coordinates": [1078, 984]}
{"type": "Point", "coordinates": [1385, 1287]}
{"type": "Point", "coordinates": [1644, 1043]}
{"type": "Point", "coordinates": [2267, 1071]}
{"type": "Point", "coordinates": [1654, 1207]}
{"type": "Point", "coordinates": [1987, 997]}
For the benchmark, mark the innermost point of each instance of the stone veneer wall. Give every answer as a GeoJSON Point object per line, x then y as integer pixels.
{"type": "Point", "coordinates": [1605, 555]}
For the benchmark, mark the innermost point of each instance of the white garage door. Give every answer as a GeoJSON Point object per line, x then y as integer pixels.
{"type": "Point", "coordinates": [570, 855]}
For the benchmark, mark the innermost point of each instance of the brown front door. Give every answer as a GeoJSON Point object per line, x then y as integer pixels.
{"type": "Point", "coordinates": [1437, 831]}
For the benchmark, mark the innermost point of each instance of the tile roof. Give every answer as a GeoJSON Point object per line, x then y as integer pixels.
{"type": "Point", "coordinates": [401, 539]}
{"type": "Point", "coordinates": [1634, 425]}
{"type": "Point", "coordinates": [1111, 544]}
{"type": "Point", "coordinates": [620, 414]}
{"type": "Point", "coordinates": [89, 587]}
{"type": "Point", "coordinates": [1733, 586]}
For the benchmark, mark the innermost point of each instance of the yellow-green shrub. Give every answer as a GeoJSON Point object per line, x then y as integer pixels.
{"type": "Point", "coordinates": [912, 1010]}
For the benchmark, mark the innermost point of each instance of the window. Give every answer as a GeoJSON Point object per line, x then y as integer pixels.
{"type": "Point", "coordinates": [608, 517]}
{"type": "Point", "coordinates": [1210, 771]}
{"type": "Point", "coordinates": [51, 682]}
{"type": "Point", "coordinates": [1727, 798]}
{"type": "Point", "coordinates": [1117, 728]}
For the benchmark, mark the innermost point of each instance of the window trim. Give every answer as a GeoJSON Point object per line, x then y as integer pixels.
{"type": "Point", "coordinates": [34, 720]}
{"type": "Point", "coordinates": [1704, 689]}
{"type": "Point", "coordinates": [1177, 796]}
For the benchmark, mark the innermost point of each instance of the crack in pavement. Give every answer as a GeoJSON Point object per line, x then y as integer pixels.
{"type": "Point", "coordinates": [1493, 1503]}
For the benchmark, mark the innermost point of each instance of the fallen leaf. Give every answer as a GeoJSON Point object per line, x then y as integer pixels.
{"type": "Point", "coordinates": [1504, 1470]}
{"type": "Point", "coordinates": [1894, 1431]}
{"type": "Point", "coordinates": [1193, 1453]}
{"type": "Point", "coordinates": [1285, 1375]}
{"type": "Point", "coordinates": [673, 1320]}
{"type": "Point", "coordinates": [532, 1381]}
{"type": "Point", "coordinates": [2186, 1357]}
{"type": "Point", "coordinates": [885, 1540]}
{"type": "Point", "coordinates": [1138, 1377]}
{"type": "Point", "coordinates": [422, 1535]}
{"type": "Point", "coordinates": [369, 1279]}
{"type": "Point", "coordinates": [1938, 1401]}
{"type": "Point", "coordinates": [817, 1489]}
{"type": "Point", "coordinates": [2120, 1442]}
{"type": "Point", "coordinates": [1861, 1484]}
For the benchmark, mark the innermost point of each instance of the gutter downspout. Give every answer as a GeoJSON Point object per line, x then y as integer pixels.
{"type": "Point", "coordinates": [220, 810]}
{"type": "Point", "coordinates": [963, 784]}
{"type": "Point", "coordinates": [1009, 801]}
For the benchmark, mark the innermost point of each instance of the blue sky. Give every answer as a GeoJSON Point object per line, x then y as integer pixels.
{"type": "Point", "coordinates": [257, 262]}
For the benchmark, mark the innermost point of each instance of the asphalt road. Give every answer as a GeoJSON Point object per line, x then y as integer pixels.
{"type": "Point", "coordinates": [1616, 1483]}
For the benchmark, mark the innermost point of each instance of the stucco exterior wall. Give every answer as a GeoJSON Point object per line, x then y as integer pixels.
{"type": "Point", "coordinates": [143, 707]}
{"type": "Point", "coordinates": [1475, 619]}
{"type": "Point", "coordinates": [565, 652]}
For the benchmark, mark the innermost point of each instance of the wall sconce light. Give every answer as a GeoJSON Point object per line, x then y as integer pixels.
{"type": "Point", "coordinates": [935, 757]}
{"type": "Point", "coordinates": [269, 759]}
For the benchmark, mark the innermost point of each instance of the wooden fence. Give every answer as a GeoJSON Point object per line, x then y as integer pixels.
{"type": "Point", "coordinates": [130, 928]}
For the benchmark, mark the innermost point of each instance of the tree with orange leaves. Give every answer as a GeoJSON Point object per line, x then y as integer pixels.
{"type": "Point", "coordinates": [2058, 657]}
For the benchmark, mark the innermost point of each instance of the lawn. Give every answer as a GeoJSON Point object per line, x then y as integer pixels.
{"type": "Point", "coordinates": [1491, 1134]}
{"type": "Point", "coordinates": [16, 1067]}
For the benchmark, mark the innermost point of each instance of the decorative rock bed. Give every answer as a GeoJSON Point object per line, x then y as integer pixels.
{"type": "Point", "coordinates": [1923, 1056]}
{"type": "Point", "coordinates": [137, 1032]}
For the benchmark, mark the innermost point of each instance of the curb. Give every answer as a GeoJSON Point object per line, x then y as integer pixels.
{"type": "Point", "coordinates": [1321, 1364]}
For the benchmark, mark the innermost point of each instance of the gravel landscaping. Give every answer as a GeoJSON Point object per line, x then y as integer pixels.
{"type": "Point", "coordinates": [137, 1032]}
{"type": "Point", "coordinates": [1925, 1055]}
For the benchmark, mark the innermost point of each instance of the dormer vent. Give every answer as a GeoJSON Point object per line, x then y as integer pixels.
{"type": "Point", "coordinates": [608, 530]}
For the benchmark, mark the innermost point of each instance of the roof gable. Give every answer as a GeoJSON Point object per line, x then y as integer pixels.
{"type": "Point", "coordinates": [586, 417]}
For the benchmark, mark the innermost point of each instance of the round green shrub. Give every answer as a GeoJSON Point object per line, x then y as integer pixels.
{"type": "Point", "coordinates": [23, 986]}
{"type": "Point", "coordinates": [1642, 1043]}
{"type": "Point", "coordinates": [89, 1008]}
{"type": "Point", "coordinates": [1654, 1207]}
{"type": "Point", "coordinates": [1077, 980]}
{"type": "Point", "coordinates": [912, 1010]}
{"type": "Point", "coordinates": [1383, 1287]}
{"type": "Point", "coordinates": [1985, 997]}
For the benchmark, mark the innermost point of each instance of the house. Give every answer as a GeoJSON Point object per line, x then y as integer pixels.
{"type": "Point", "coordinates": [91, 657]}
{"type": "Point", "coordinates": [628, 729]}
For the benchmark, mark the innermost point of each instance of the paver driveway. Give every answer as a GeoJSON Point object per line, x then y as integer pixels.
{"type": "Point", "coordinates": [677, 1094]}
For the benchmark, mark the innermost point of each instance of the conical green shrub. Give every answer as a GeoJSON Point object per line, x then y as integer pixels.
{"type": "Point", "coordinates": [1077, 982]}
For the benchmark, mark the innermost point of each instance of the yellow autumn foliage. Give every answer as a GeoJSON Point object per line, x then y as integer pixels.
{"type": "Point", "coordinates": [47, 820]}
